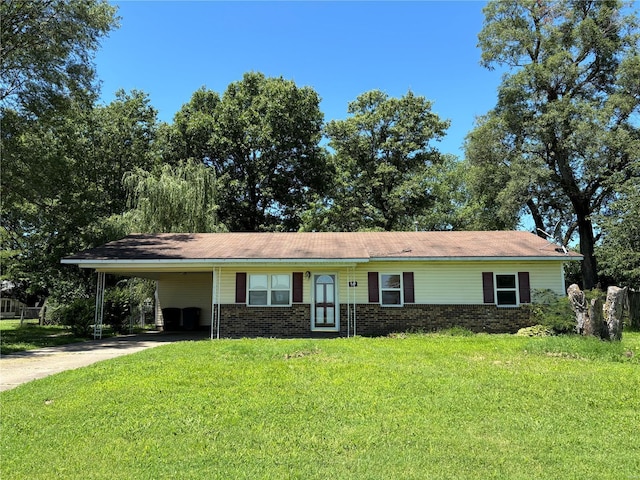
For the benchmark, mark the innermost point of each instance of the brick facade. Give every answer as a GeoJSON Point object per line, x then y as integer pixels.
{"type": "Point", "coordinates": [238, 320]}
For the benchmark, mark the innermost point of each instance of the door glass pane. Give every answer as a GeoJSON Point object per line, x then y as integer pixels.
{"type": "Point", "coordinates": [329, 298]}
{"type": "Point", "coordinates": [330, 315]}
{"type": "Point", "coordinates": [320, 316]}
{"type": "Point", "coordinates": [319, 293]}
{"type": "Point", "coordinates": [324, 279]}
{"type": "Point", "coordinates": [258, 282]}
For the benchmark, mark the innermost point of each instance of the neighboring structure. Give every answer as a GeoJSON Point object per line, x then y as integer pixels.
{"type": "Point", "coordinates": [331, 284]}
{"type": "Point", "coordinates": [10, 306]}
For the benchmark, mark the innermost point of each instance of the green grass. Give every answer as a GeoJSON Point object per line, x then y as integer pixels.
{"type": "Point", "coordinates": [29, 336]}
{"type": "Point", "coordinates": [410, 406]}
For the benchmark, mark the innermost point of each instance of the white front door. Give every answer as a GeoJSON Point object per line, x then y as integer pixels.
{"type": "Point", "coordinates": [325, 310]}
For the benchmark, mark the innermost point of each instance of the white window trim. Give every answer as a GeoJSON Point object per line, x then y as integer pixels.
{"type": "Point", "coordinates": [496, 289]}
{"type": "Point", "coordinates": [269, 290]}
{"type": "Point", "coordinates": [401, 289]}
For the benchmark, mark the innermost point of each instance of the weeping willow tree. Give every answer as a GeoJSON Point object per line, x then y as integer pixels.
{"type": "Point", "coordinates": [173, 199]}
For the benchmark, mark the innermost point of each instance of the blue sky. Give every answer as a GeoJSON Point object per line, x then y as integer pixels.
{"type": "Point", "coordinates": [341, 49]}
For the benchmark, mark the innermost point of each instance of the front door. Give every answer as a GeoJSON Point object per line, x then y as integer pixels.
{"type": "Point", "coordinates": [325, 313]}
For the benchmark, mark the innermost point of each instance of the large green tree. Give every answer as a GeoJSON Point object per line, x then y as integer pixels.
{"type": "Point", "coordinates": [388, 171]}
{"type": "Point", "coordinates": [619, 253]}
{"type": "Point", "coordinates": [266, 152]}
{"type": "Point", "coordinates": [61, 183]}
{"type": "Point", "coordinates": [564, 133]}
{"type": "Point", "coordinates": [46, 51]}
{"type": "Point", "coordinates": [262, 138]}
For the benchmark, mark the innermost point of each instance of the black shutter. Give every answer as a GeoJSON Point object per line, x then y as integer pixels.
{"type": "Point", "coordinates": [241, 287]}
{"type": "Point", "coordinates": [487, 287]}
{"type": "Point", "coordinates": [374, 291]}
{"type": "Point", "coordinates": [297, 287]}
{"type": "Point", "coordinates": [407, 281]}
{"type": "Point", "coordinates": [524, 287]}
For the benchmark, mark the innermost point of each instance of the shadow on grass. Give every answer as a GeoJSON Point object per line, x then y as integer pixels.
{"type": "Point", "coordinates": [16, 338]}
{"type": "Point", "coordinates": [31, 336]}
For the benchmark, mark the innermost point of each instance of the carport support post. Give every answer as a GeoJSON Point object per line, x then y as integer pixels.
{"type": "Point", "coordinates": [215, 301]}
{"type": "Point", "coordinates": [99, 312]}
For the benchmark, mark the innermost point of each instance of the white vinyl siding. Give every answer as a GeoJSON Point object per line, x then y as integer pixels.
{"type": "Point", "coordinates": [451, 282]}
{"type": "Point", "coordinates": [435, 282]}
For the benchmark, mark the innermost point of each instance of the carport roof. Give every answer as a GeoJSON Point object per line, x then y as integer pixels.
{"type": "Point", "coordinates": [318, 246]}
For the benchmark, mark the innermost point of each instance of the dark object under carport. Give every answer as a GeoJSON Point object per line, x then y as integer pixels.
{"type": "Point", "coordinates": [171, 318]}
{"type": "Point", "coordinates": [190, 318]}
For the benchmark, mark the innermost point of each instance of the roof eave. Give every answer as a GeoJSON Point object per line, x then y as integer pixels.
{"type": "Point", "coordinates": [478, 258]}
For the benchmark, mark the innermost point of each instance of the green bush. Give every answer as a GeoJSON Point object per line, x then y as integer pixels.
{"type": "Point", "coordinates": [553, 311]}
{"type": "Point", "coordinates": [117, 309]}
{"type": "Point", "coordinates": [78, 316]}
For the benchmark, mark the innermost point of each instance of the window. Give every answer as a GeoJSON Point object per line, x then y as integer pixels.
{"type": "Point", "coordinates": [506, 289]}
{"type": "Point", "coordinates": [271, 290]}
{"type": "Point", "coordinates": [390, 289]}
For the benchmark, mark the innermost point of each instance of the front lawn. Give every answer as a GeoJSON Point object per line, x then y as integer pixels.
{"type": "Point", "coordinates": [409, 406]}
{"type": "Point", "coordinates": [30, 335]}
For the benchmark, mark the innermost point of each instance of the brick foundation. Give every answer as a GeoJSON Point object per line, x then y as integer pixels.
{"type": "Point", "coordinates": [372, 320]}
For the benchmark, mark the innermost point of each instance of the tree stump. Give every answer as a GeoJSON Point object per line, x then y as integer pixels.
{"type": "Point", "coordinates": [579, 307]}
{"type": "Point", "coordinates": [617, 301]}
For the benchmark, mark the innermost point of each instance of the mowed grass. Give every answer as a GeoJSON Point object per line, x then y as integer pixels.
{"type": "Point", "coordinates": [411, 406]}
{"type": "Point", "coordinates": [15, 337]}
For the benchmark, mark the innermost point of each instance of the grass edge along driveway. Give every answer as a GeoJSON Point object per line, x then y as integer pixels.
{"type": "Point", "coordinates": [409, 406]}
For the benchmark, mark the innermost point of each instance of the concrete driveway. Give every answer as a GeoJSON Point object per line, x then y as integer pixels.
{"type": "Point", "coordinates": [22, 367]}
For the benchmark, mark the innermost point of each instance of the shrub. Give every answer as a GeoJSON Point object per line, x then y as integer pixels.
{"type": "Point", "coordinates": [78, 316]}
{"type": "Point", "coordinates": [117, 309]}
{"type": "Point", "coordinates": [553, 311]}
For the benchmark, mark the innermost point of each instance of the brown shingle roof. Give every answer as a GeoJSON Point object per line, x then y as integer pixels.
{"type": "Point", "coordinates": [331, 246]}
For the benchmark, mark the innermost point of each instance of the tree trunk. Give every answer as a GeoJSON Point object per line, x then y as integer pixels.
{"type": "Point", "coordinates": [579, 307]}
{"type": "Point", "coordinates": [634, 308]}
{"type": "Point", "coordinates": [614, 307]}
{"type": "Point", "coordinates": [587, 242]}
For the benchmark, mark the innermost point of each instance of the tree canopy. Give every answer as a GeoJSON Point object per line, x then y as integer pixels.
{"type": "Point", "coordinates": [262, 139]}
{"type": "Point", "coordinates": [562, 136]}
{"type": "Point", "coordinates": [387, 168]}
{"type": "Point", "coordinates": [46, 51]}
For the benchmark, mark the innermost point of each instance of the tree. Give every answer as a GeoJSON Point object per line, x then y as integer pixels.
{"type": "Point", "coordinates": [187, 138]}
{"type": "Point", "coordinates": [266, 153]}
{"type": "Point", "coordinates": [173, 199]}
{"type": "Point", "coordinates": [262, 140]}
{"type": "Point", "coordinates": [387, 171]}
{"type": "Point", "coordinates": [61, 184]}
{"type": "Point", "coordinates": [46, 50]}
{"type": "Point", "coordinates": [562, 136]}
{"type": "Point", "coordinates": [619, 253]}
